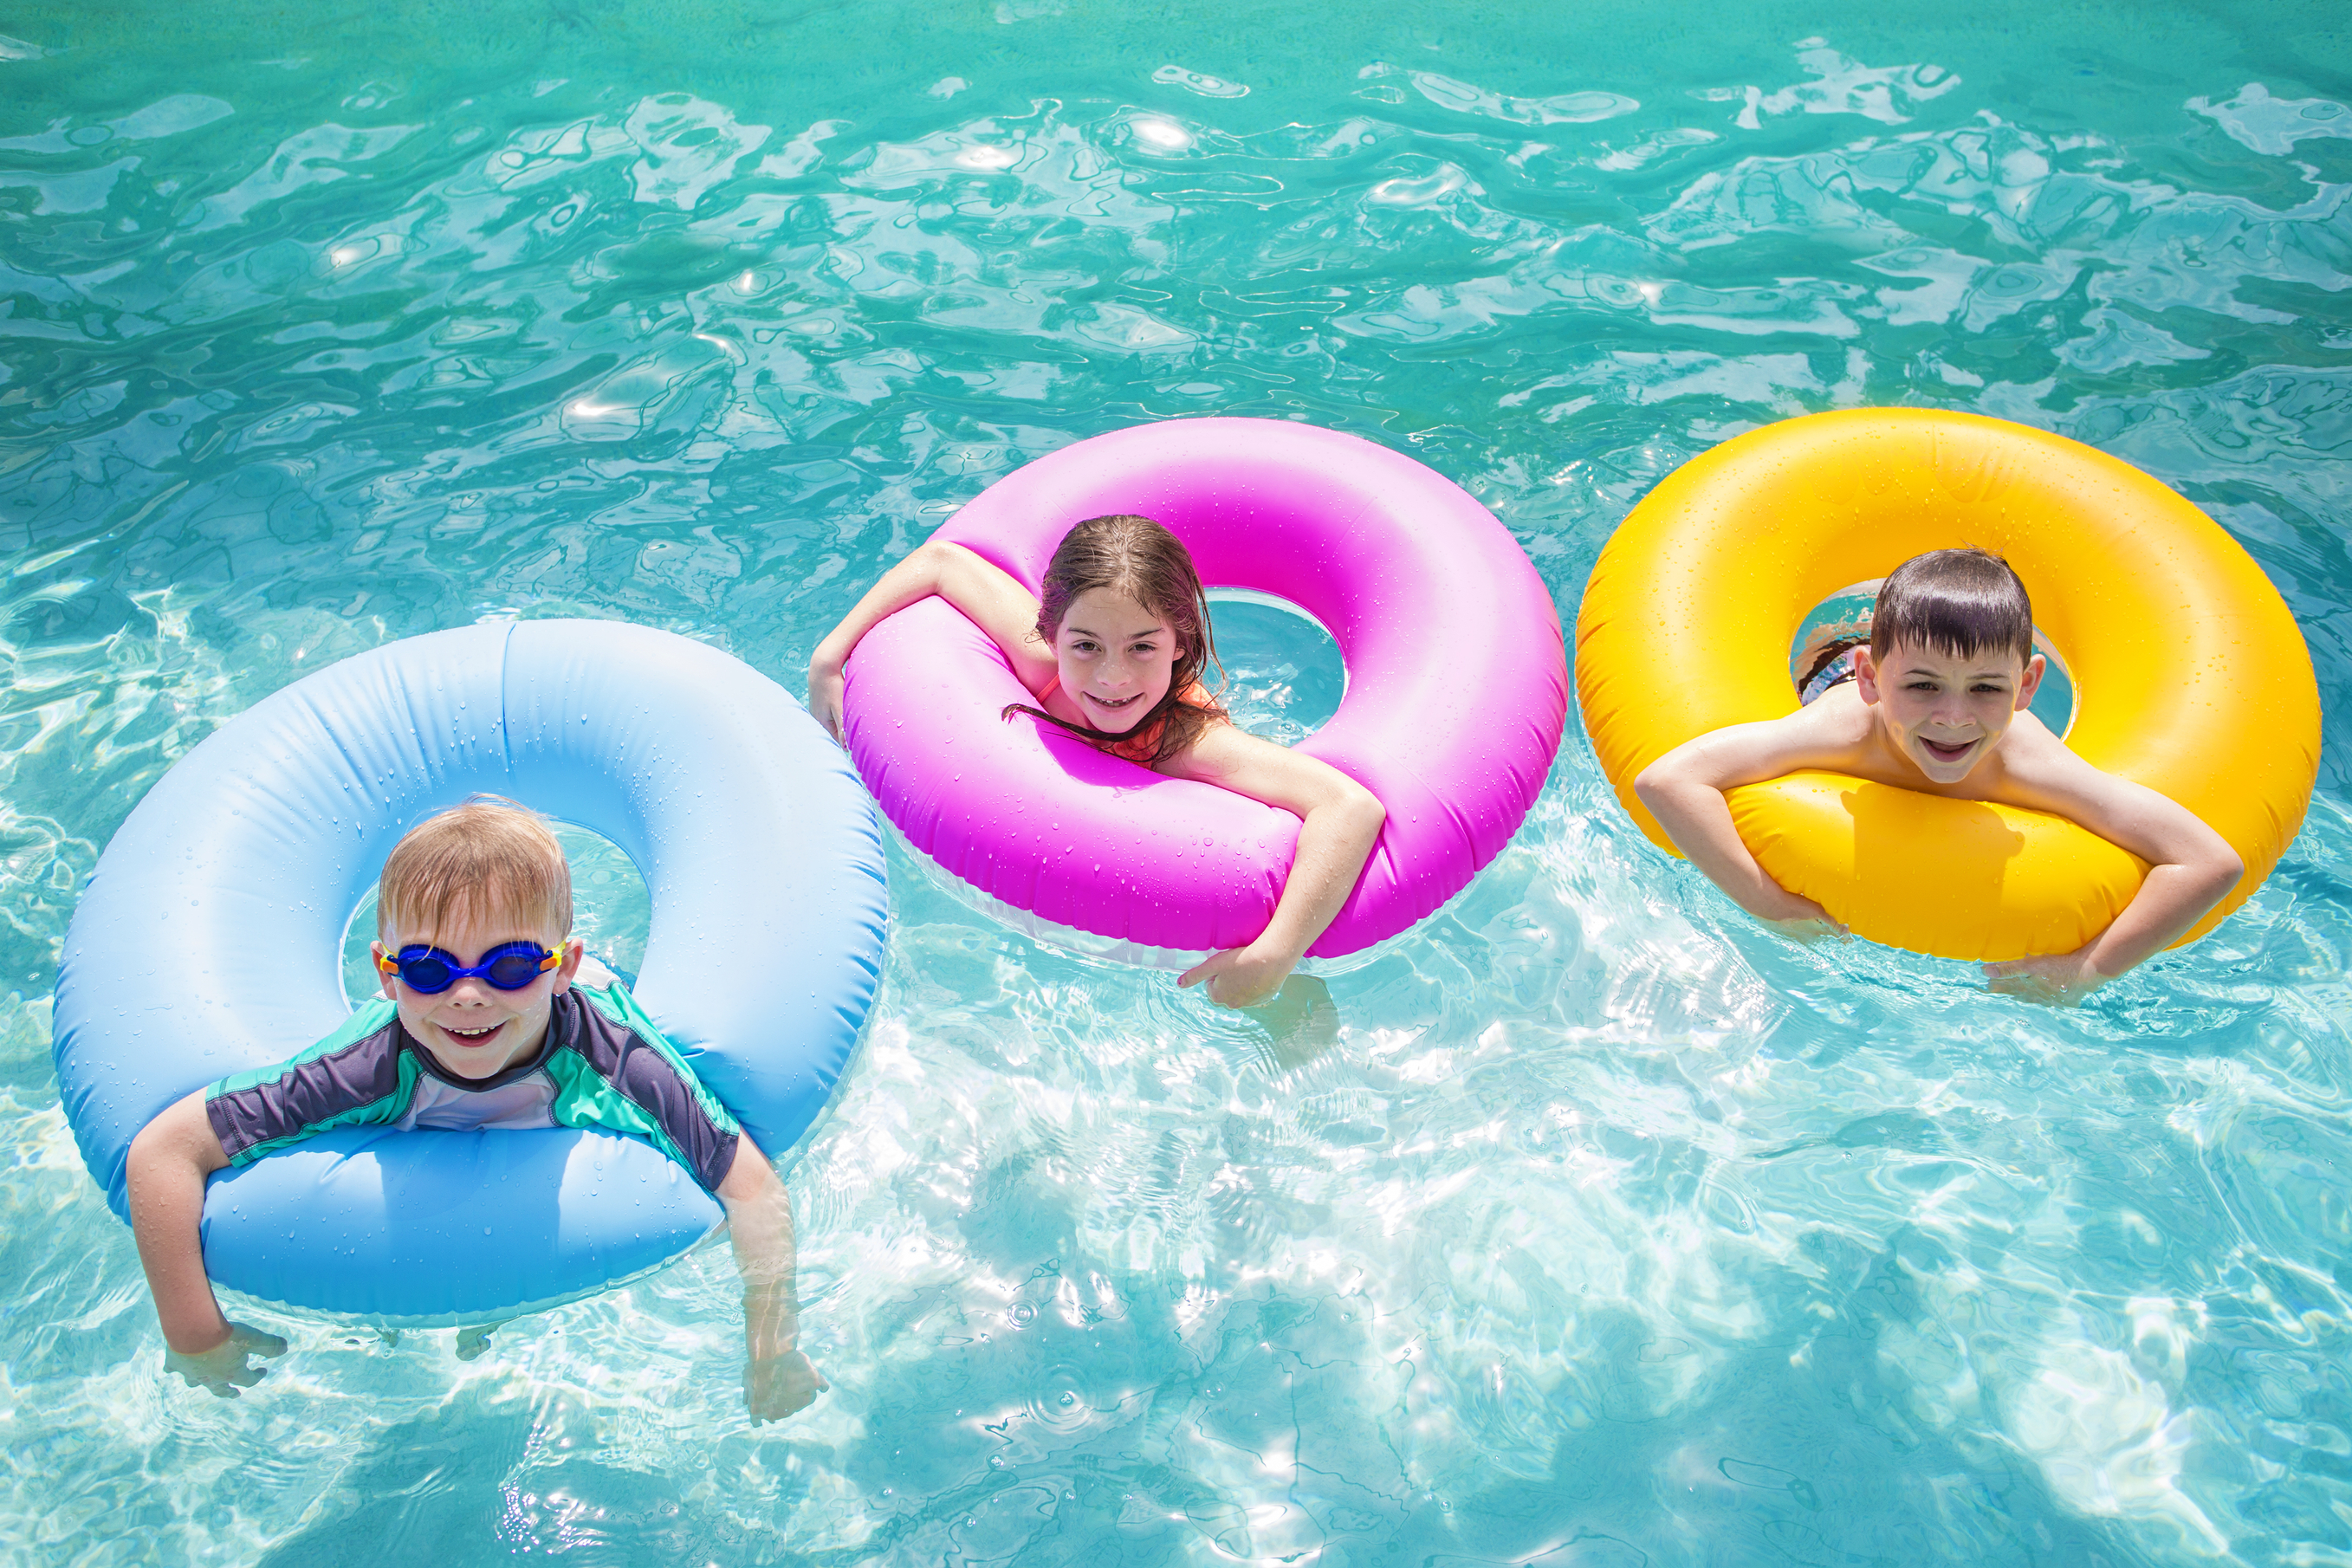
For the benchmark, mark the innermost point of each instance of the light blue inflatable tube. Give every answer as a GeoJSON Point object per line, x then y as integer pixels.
{"type": "Point", "coordinates": [208, 942]}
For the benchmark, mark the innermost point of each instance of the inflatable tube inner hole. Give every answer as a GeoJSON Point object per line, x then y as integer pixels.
{"type": "Point", "coordinates": [1847, 612]}
{"type": "Point", "coordinates": [611, 911]}
{"type": "Point", "coordinates": [1284, 674]}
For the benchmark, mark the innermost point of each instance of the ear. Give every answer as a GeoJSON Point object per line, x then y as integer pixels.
{"type": "Point", "coordinates": [1865, 674]}
{"type": "Point", "coordinates": [376, 956]}
{"type": "Point", "coordinates": [573, 951]}
{"type": "Point", "coordinates": [2034, 670]}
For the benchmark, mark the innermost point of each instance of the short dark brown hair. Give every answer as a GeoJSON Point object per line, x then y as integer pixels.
{"type": "Point", "coordinates": [1959, 602]}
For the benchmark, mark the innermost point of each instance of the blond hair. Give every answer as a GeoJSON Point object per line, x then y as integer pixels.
{"type": "Point", "coordinates": [486, 859]}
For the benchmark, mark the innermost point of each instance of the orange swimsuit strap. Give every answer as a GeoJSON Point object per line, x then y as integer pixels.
{"type": "Point", "coordinates": [1139, 746]}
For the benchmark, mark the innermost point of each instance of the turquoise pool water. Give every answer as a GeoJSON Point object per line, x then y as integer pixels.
{"type": "Point", "coordinates": [1591, 1226]}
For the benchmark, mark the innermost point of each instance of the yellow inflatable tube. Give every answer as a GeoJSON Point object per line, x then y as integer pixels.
{"type": "Point", "coordinates": [2189, 674]}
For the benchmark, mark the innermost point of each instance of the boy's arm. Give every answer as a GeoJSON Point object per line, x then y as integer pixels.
{"type": "Point", "coordinates": [777, 1378]}
{"type": "Point", "coordinates": [165, 1185]}
{"type": "Point", "coordinates": [2191, 867]}
{"type": "Point", "coordinates": [991, 598]}
{"type": "Point", "coordinates": [1685, 791]}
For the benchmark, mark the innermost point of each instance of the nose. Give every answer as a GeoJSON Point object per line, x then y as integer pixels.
{"type": "Point", "coordinates": [1952, 711]}
{"type": "Point", "coordinates": [473, 991]}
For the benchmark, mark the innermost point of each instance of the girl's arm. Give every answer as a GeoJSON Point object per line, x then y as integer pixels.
{"type": "Point", "coordinates": [991, 598]}
{"type": "Point", "coordinates": [165, 1182]}
{"type": "Point", "coordinates": [777, 1378]}
{"type": "Point", "coordinates": [1339, 819]}
{"type": "Point", "coordinates": [2191, 867]}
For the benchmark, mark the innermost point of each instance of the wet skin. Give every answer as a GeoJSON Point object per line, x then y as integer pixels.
{"type": "Point", "coordinates": [1943, 713]}
{"type": "Point", "coordinates": [474, 1030]}
{"type": "Point", "coordinates": [1115, 659]}
{"type": "Point", "coordinates": [1956, 725]}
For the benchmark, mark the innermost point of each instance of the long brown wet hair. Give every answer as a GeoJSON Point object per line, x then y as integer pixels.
{"type": "Point", "coordinates": [1137, 559]}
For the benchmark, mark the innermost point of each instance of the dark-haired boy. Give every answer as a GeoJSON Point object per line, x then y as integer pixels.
{"type": "Point", "coordinates": [1935, 701]}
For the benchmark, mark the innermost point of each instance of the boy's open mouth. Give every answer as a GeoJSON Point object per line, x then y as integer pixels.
{"type": "Point", "coordinates": [473, 1036]}
{"type": "Point", "coordinates": [1944, 753]}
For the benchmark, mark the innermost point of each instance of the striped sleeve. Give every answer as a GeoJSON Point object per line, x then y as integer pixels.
{"type": "Point", "coordinates": [612, 1069]}
{"type": "Point", "coordinates": [358, 1076]}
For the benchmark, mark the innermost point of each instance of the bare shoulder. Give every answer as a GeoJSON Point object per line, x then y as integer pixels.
{"type": "Point", "coordinates": [2041, 773]}
{"type": "Point", "coordinates": [1222, 749]}
{"type": "Point", "coordinates": [1830, 733]}
{"type": "Point", "coordinates": [1230, 757]}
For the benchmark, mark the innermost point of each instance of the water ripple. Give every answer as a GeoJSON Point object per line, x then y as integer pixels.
{"type": "Point", "coordinates": [1587, 1223]}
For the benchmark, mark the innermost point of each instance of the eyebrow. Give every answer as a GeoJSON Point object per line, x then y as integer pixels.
{"type": "Point", "coordinates": [1156, 630]}
{"type": "Point", "coordinates": [1979, 674]}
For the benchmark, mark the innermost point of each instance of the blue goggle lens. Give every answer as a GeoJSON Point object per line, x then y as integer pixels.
{"type": "Point", "coordinates": [429, 971]}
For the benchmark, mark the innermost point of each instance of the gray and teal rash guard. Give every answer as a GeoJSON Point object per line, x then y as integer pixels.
{"type": "Point", "coordinates": [604, 1065]}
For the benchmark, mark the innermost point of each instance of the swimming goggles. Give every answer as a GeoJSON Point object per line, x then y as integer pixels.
{"type": "Point", "coordinates": [509, 967]}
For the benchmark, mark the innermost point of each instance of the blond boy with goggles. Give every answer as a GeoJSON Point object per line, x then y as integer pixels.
{"type": "Point", "coordinates": [491, 1017]}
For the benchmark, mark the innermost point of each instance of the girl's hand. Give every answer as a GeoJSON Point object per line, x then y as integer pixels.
{"type": "Point", "coordinates": [2054, 980]}
{"type": "Point", "coordinates": [1241, 976]}
{"type": "Point", "coordinates": [825, 685]}
{"type": "Point", "coordinates": [223, 1370]}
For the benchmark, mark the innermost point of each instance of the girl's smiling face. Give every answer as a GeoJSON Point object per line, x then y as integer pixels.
{"type": "Point", "coordinates": [1115, 659]}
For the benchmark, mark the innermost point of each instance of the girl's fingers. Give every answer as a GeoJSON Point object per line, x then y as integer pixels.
{"type": "Point", "coordinates": [1206, 969]}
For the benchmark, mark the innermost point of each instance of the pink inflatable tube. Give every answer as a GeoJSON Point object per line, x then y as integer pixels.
{"type": "Point", "coordinates": [1457, 688]}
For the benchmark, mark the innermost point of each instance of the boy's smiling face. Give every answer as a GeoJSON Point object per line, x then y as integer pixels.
{"type": "Point", "coordinates": [474, 1030]}
{"type": "Point", "coordinates": [1945, 712]}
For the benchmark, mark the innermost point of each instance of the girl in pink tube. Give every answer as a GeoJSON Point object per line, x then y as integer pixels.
{"type": "Point", "coordinates": [1113, 654]}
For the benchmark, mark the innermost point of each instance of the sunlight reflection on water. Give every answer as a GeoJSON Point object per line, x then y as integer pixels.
{"type": "Point", "coordinates": [1586, 1223]}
